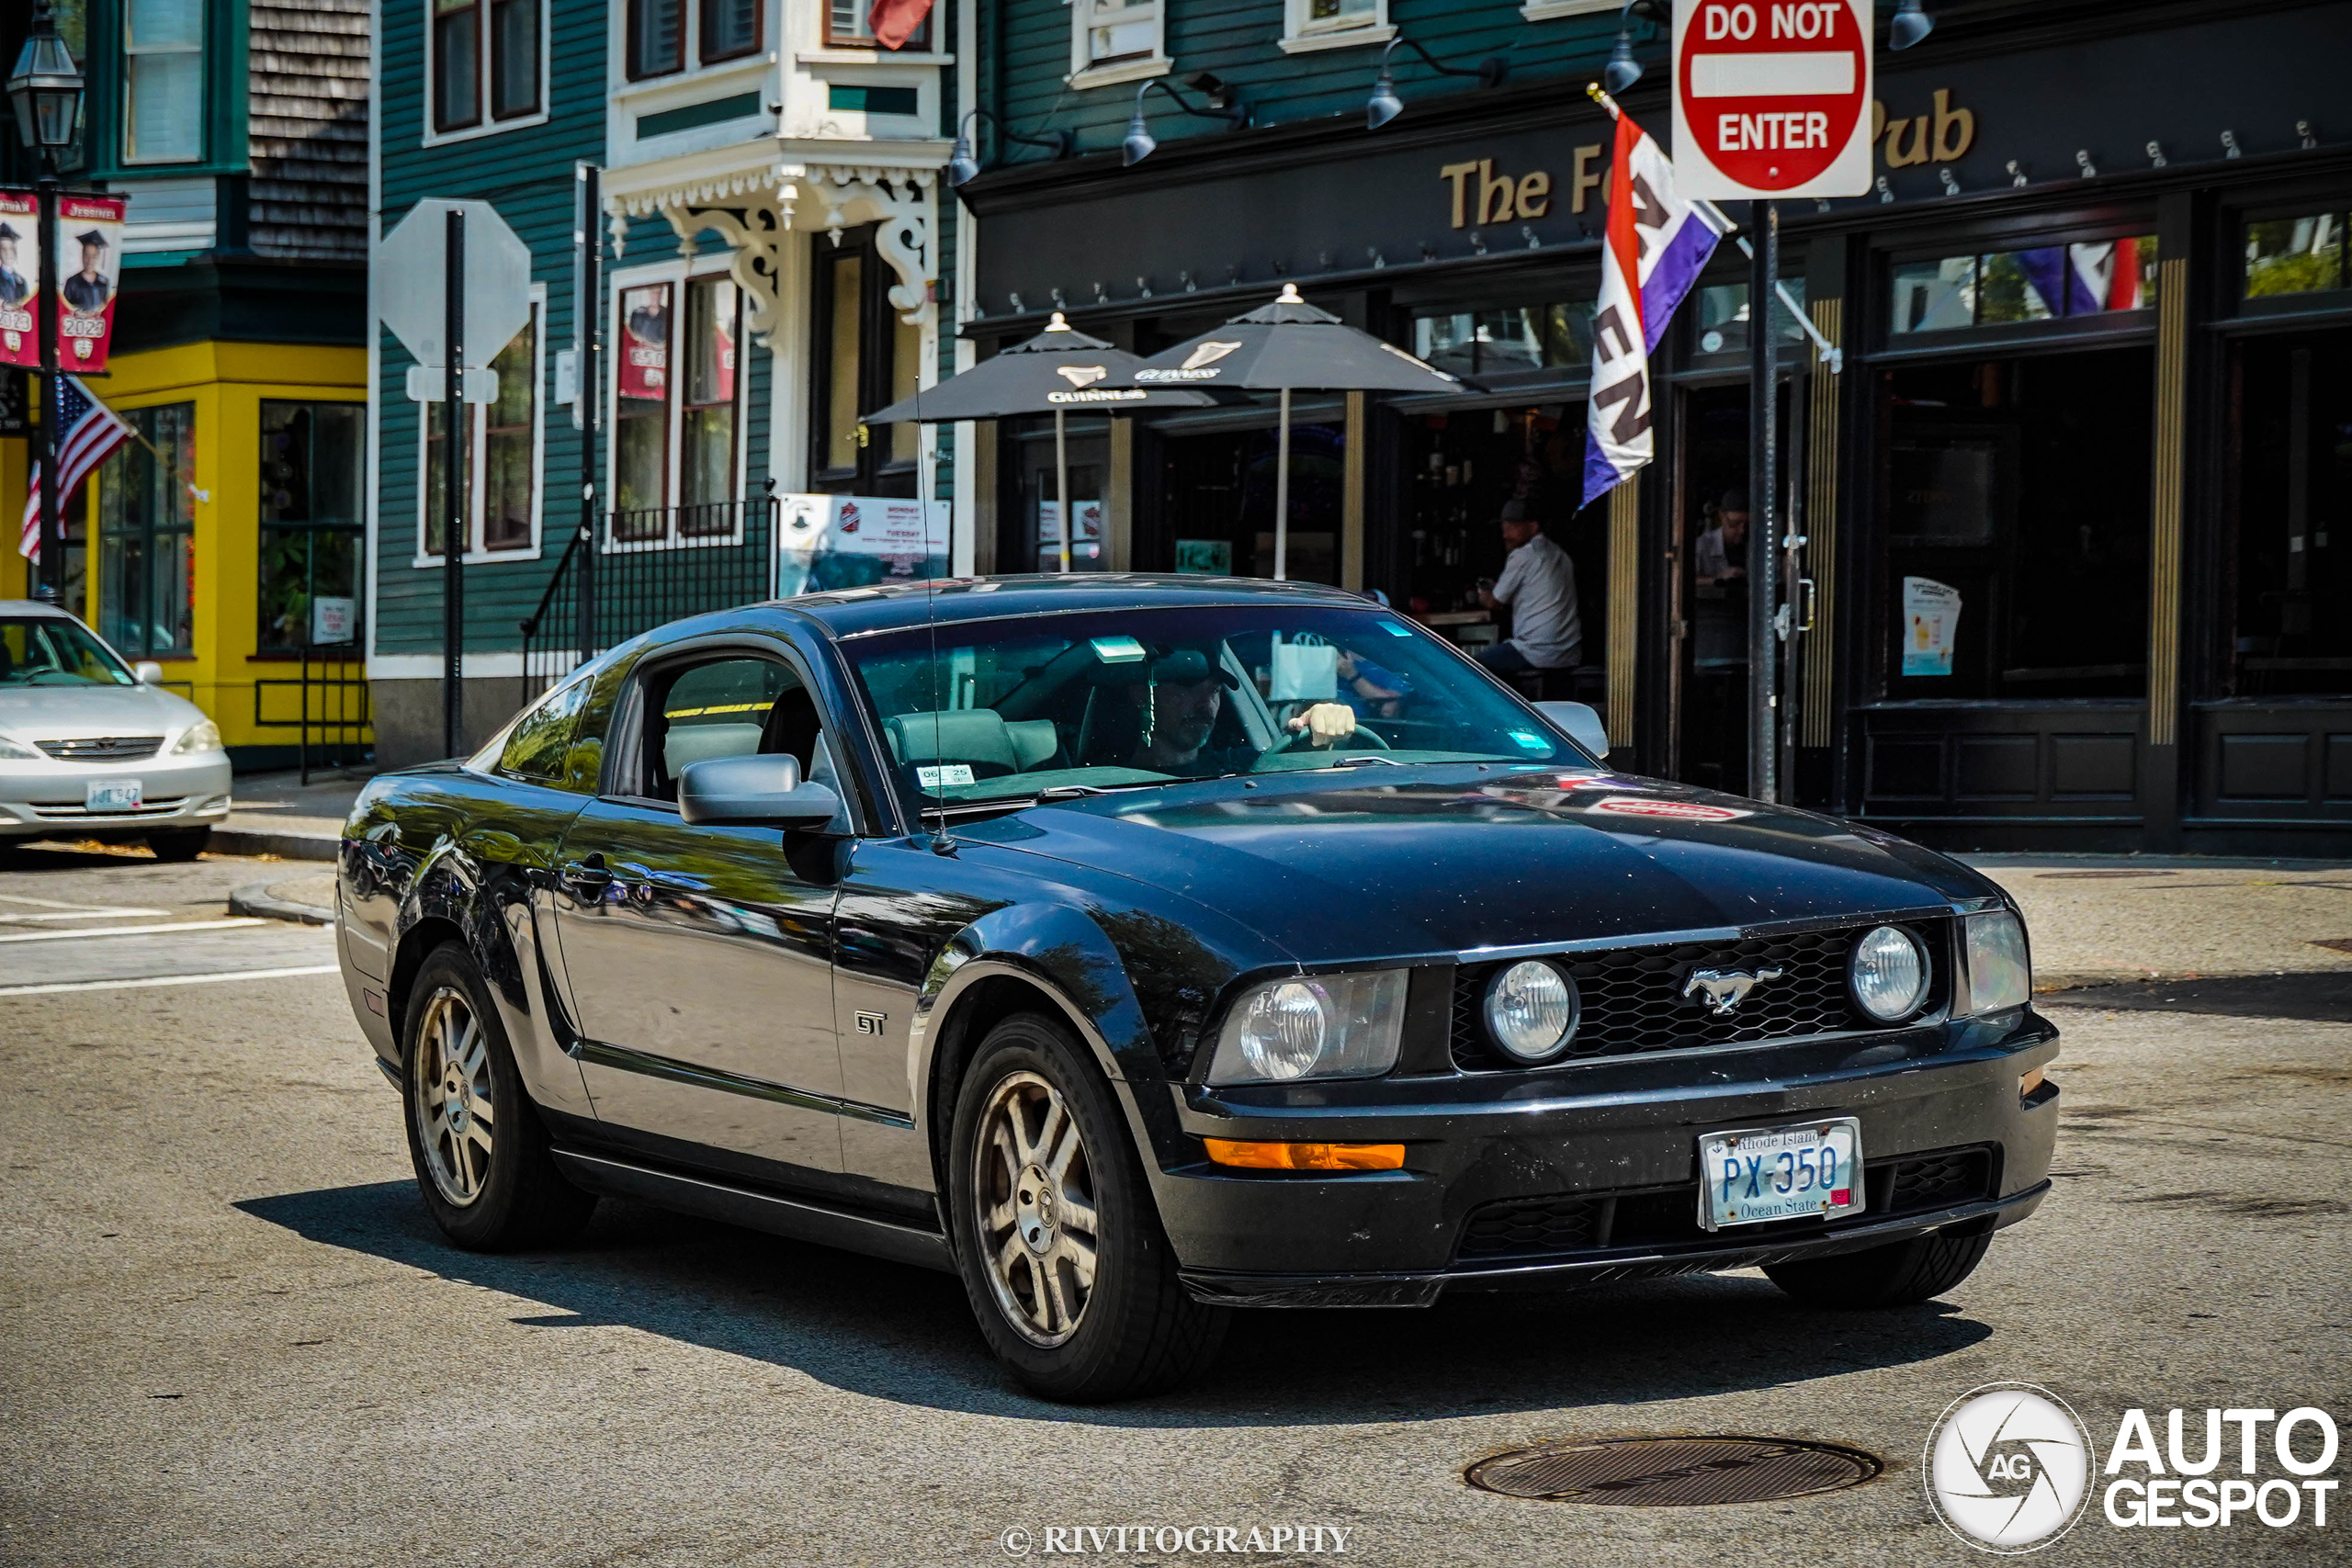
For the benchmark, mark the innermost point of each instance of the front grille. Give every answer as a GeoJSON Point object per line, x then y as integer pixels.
{"type": "Point", "coordinates": [1668, 1216]}
{"type": "Point", "coordinates": [1632, 998]}
{"type": "Point", "coordinates": [144, 808]}
{"type": "Point", "coordinates": [103, 749]}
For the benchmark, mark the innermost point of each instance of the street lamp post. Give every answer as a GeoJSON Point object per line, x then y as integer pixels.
{"type": "Point", "coordinates": [46, 90]}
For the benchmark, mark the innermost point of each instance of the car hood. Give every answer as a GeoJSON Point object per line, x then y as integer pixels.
{"type": "Point", "coordinates": [1342, 867]}
{"type": "Point", "coordinates": [63, 713]}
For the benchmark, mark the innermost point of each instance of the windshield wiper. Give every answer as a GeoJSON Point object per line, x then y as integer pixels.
{"type": "Point", "coordinates": [1366, 760]}
{"type": "Point", "coordinates": [1078, 791]}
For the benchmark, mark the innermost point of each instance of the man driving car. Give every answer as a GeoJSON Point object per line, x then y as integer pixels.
{"type": "Point", "coordinates": [1177, 709]}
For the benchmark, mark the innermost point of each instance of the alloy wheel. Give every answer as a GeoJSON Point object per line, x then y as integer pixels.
{"type": "Point", "coordinates": [1035, 1192]}
{"type": "Point", "coordinates": [450, 1091]}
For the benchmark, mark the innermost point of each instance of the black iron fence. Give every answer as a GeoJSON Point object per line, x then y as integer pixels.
{"type": "Point", "coordinates": [648, 566]}
{"type": "Point", "coordinates": [332, 713]}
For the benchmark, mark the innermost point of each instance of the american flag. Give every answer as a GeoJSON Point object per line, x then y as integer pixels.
{"type": "Point", "coordinates": [89, 430]}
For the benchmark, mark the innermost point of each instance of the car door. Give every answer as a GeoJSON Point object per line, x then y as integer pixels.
{"type": "Point", "coordinates": [700, 958]}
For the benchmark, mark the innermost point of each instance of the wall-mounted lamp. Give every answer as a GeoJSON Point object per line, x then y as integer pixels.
{"type": "Point", "coordinates": [1384, 104]}
{"type": "Point", "coordinates": [1622, 70]}
{"type": "Point", "coordinates": [963, 163]}
{"type": "Point", "coordinates": [1909, 24]}
{"type": "Point", "coordinates": [1139, 142]}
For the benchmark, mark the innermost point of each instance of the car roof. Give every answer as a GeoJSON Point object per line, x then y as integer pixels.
{"type": "Point", "coordinates": [849, 612]}
{"type": "Point", "coordinates": [32, 607]}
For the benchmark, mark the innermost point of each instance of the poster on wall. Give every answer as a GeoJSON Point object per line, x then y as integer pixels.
{"type": "Point", "coordinates": [1931, 625]}
{"type": "Point", "coordinates": [89, 230]}
{"type": "Point", "coordinates": [20, 265]}
{"type": "Point", "coordinates": [644, 369]}
{"type": "Point", "coordinates": [857, 541]}
{"type": "Point", "coordinates": [1085, 533]}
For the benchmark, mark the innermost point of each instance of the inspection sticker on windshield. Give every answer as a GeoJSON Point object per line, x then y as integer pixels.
{"type": "Point", "coordinates": [1392, 629]}
{"type": "Point", "coordinates": [1114, 650]}
{"type": "Point", "coordinates": [1682, 810]}
{"type": "Point", "coordinates": [1530, 742]}
{"type": "Point", "coordinates": [1811, 1170]}
{"type": "Point", "coordinates": [120, 795]}
{"type": "Point", "coordinates": [942, 776]}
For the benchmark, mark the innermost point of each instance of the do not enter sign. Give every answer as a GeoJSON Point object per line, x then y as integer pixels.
{"type": "Point", "coordinates": [1771, 97]}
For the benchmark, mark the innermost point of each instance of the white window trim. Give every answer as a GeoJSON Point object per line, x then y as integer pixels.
{"type": "Point", "coordinates": [1304, 35]}
{"type": "Point", "coordinates": [676, 274]}
{"type": "Point", "coordinates": [1552, 10]}
{"type": "Point", "coordinates": [1084, 72]}
{"type": "Point", "coordinates": [202, 51]}
{"type": "Point", "coordinates": [488, 127]}
{"type": "Point", "coordinates": [477, 446]}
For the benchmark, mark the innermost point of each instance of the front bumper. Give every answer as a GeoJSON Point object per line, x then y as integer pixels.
{"type": "Point", "coordinates": [1601, 1163]}
{"type": "Point", "coordinates": [46, 799]}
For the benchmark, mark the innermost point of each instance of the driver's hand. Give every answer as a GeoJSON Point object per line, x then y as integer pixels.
{"type": "Point", "coordinates": [1326, 723]}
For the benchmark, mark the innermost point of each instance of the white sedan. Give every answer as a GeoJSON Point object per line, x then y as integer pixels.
{"type": "Point", "coordinates": [92, 749]}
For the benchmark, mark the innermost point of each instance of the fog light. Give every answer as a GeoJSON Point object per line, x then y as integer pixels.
{"type": "Point", "coordinates": [1307, 1156]}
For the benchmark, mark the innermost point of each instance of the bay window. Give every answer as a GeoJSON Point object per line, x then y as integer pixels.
{"type": "Point", "coordinates": [312, 521]}
{"type": "Point", "coordinates": [664, 36]}
{"type": "Point", "coordinates": [847, 27]}
{"type": "Point", "coordinates": [147, 536]}
{"type": "Point", "coordinates": [677, 417]}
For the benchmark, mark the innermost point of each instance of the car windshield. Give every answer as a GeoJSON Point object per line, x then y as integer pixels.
{"type": "Point", "coordinates": [44, 651]}
{"type": "Point", "coordinates": [1015, 708]}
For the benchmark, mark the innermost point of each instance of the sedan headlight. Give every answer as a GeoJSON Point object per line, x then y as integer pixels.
{"type": "Point", "coordinates": [202, 736]}
{"type": "Point", "coordinates": [1532, 1010]}
{"type": "Point", "coordinates": [2000, 971]}
{"type": "Point", "coordinates": [14, 750]}
{"type": "Point", "coordinates": [1312, 1026]}
{"type": "Point", "coordinates": [1888, 974]}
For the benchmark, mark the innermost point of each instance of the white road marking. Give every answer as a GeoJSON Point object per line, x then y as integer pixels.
{"type": "Point", "coordinates": [166, 980]}
{"type": "Point", "coordinates": [138, 931]}
{"type": "Point", "coordinates": [71, 911]}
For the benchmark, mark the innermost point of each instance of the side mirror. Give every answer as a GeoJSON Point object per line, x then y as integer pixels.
{"type": "Point", "coordinates": [147, 672]}
{"type": "Point", "coordinates": [1583, 725]}
{"type": "Point", "coordinates": [765, 791]}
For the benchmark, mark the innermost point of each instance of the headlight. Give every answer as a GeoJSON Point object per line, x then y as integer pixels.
{"type": "Point", "coordinates": [1532, 1010]}
{"type": "Point", "coordinates": [14, 750]}
{"type": "Point", "coordinates": [202, 736]}
{"type": "Point", "coordinates": [1888, 974]}
{"type": "Point", "coordinates": [1318, 1026]}
{"type": "Point", "coordinates": [2000, 972]}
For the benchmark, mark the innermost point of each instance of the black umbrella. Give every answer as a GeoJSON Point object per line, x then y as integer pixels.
{"type": "Point", "coordinates": [1059, 369]}
{"type": "Point", "coordinates": [1284, 346]}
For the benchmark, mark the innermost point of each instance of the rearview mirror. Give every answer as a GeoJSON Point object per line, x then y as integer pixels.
{"type": "Point", "coordinates": [1583, 725]}
{"type": "Point", "coordinates": [147, 672]}
{"type": "Point", "coordinates": [766, 791]}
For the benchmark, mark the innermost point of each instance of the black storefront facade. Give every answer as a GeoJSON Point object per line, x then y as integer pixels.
{"type": "Point", "coordinates": [2077, 501]}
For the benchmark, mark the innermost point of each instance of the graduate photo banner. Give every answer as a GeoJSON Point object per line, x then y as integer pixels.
{"type": "Point", "coordinates": [90, 243]}
{"type": "Point", "coordinates": [20, 270]}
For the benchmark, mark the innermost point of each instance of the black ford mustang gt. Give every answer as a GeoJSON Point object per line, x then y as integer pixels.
{"type": "Point", "coordinates": [1141, 948]}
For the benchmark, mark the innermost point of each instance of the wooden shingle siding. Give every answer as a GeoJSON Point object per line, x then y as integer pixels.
{"type": "Point", "coordinates": [307, 129]}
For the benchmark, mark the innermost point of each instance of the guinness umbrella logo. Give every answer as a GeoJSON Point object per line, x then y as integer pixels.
{"type": "Point", "coordinates": [1207, 354]}
{"type": "Point", "coordinates": [1082, 375]}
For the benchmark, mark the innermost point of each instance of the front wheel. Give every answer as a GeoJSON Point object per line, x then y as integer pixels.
{"type": "Point", "coordinates": [1897, 1274]}
{"type": "Point", "coordinates": [1060, 1245]}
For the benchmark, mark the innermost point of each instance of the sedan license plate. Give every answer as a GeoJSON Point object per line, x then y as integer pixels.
{"type": "Point", "coordinates": [122, 796]}
{"type": "Point", "coordinates": [1813, 1169]}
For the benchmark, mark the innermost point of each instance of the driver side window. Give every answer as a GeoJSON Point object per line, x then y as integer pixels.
{"type": "Point", "coordinates": [731, 705]}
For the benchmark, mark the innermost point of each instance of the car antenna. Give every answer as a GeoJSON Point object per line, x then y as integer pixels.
{"type": "Point", "coordinates": [941, 841]}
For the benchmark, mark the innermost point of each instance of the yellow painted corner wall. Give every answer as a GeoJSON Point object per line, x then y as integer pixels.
{"type": "Point", "coordinates": [227, 382]}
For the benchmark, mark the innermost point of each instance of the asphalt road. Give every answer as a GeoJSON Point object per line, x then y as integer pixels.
{"type": "Point", "coordinates": [228, 1335]}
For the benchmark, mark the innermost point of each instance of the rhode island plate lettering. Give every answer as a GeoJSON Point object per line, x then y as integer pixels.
{"type": "Point", "coordinates": [1807, 1170]}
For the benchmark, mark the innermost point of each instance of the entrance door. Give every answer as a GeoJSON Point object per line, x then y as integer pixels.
{"type": "Point", "coordinates": [1034, 544]}
{"type": "Point", "coordinates": [1710, 531]}
{"type": "Point", "coordinates": [700, 958]}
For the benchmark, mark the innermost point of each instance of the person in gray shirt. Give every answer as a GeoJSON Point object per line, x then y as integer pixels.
{"type": "Point", "coordinates": [1539, 587]}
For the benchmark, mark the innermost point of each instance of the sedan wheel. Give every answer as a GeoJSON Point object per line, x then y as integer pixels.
{"type": "Point", "coordinates": [1038, 1222]}
{"type": "Point", "coordinates": [453, 1097]}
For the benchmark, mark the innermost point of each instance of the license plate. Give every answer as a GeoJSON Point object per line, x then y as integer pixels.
{"type": "Point", "coordinates": [122, 796]}
{"type": "Point", "coordinates": [1808, 1170]}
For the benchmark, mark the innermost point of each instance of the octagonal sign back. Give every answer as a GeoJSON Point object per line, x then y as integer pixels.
{"type": "Point", "coordinates": [412, 272]}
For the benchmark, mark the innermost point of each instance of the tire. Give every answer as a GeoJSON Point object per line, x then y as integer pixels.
{"type": "Point", "coordinates": [179, 843]}
{"type": "Point", "coordinates": [1024, 1206]}
{"type": "Point", "coordinates": [480, 1149]}
{"type": "Point", "coordinates": [1897, 1274]}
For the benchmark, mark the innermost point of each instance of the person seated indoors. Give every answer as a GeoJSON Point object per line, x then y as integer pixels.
{"type": "Point", "coordinates": [1371, 690]}
{"type": "Point", "coordinates": [1177, 711]}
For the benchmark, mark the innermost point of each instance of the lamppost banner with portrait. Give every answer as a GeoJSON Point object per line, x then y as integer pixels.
{"type": "Point", "coordinates": [90, 240]}
{"type": "Point", "coordinates": [19, 277]}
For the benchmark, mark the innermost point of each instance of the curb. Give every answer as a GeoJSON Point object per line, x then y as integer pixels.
{"type": "Point", "coordinates": [253, 899]}
{"type": "Point", "coordinates": [259, 842]}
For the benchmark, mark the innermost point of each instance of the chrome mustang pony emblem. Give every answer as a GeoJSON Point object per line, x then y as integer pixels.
{"type": "Point", "coordinates": [1722, 990]}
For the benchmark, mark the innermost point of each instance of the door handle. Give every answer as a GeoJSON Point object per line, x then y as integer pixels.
{"type": "Point", "coordinates": [585, 879]}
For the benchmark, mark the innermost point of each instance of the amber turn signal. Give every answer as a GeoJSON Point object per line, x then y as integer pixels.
{"type": "Point", "coordinates": [1307, 1156]}
{"type": "Point", "coordinates": [2029, 1083]}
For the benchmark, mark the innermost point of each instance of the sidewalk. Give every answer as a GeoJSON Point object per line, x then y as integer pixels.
{"type": "Point", "coordinates": [276, 814]}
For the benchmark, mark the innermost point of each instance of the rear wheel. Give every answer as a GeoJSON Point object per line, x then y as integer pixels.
{"type": "Point", "coordinates": [1057, 1237]}
{"type": "Point", "coordinates": [1897, 1274]}
{"type": "Point", "coordinates": [179, 843]}
{"type": "Point", "coordinates": [480, 1149]}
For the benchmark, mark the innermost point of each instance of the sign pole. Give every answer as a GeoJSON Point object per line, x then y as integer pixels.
{"type": "Point", "coordinates": [1763, 486]}
{"type": "Point", "coordinates": [453, 487]}
{"type": "Point", "coordinates": [49, 586]}
{"type": "Point", "coordinates": [588, 312]}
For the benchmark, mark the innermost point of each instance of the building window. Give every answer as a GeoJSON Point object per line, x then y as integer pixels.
{"type": "Point", "coordinates": [1512, 337]}
{"type": "Point", "coordinates": [641, 415]}
{"type": "Point", "coordinates": [502, 470]}
{"type": "Point", "coordinates": [677, 440]}
{"type": "Point", "coordinates": [1309, 19]}
{"type": "Point", "coordinates": [2013, 567]}
{"type": "Point", "coordinates": [867, 357]}
{"type": "Point", "coordinates": [2291, 516]}
{"type": "Point", "coordinates": [147, 536]}
{"type": "Point", "coordinates": [513, 58]}
{"type": "Point", "coordinates": [2295, 255]}
{"type": "Point", "coordinates": [311, 524]}
{"type": "Point", "coordinates": [665, 35]}
{"type": "Point", "coordinates": [710, 398]}
{"type": "Point", "coordinates": [730, 29]}
{"type": "Point", "coordinates": [506, 75]}
{"type": "Point", "coordinates": [163, 47]}
{"type": "Point", "coordinates": [1113, 33]}
{"type": "Point", "coordinates": [2038, 285]}
{"type": "Point", "coordinates": [657, 37]}
{"type": "Point", "coordinates": [846, 27]}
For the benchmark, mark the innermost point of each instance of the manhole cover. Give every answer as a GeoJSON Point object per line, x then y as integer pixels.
{"type": "Point", "coordinates": [1672, 1472]}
